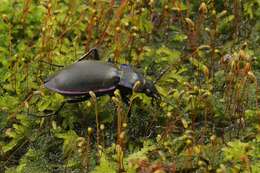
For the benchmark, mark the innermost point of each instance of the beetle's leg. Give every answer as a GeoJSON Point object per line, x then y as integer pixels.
{"type": "Point", "coordinates": [110, 60]}
{"type": "Point", "coordinates": [76, 99]}
{"type": "Point", "coordinates": [125, 99]}
{"type": "Point", "coordinates": [129, 111]}
{"type": "Point", "coordinates": [70, 100]}
{"type": "Point", "coordinates": [55, 65]}
{"type": "Point", "coordinates": [91, 54]}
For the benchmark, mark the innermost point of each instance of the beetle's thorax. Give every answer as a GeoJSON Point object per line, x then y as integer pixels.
{"type": "Point", "coordinates": [128, 77]}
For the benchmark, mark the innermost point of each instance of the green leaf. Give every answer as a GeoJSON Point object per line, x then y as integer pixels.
{"type": "Point", "coordinates": [44, 104]}
{"type": "Point", "coordinates": [236, 151]}
{"type": "Point", "coordinates": [225, 24]}
{"type": "Point", "coordinates": [141, 154]}
{"type": "Point", "coordinates": [69, 141]}
{"type": "Point", "coordinates": [105, 166]}
{"type": "Point", "coordinates": [179, 37]}
{"type": "Point", "coordinates": [14, 142]}
{"type": "Point", "coordinates": [168, 55]}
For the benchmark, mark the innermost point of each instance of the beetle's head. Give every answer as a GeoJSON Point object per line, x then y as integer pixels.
{"type": "Point", "coordinates": [149, 89]}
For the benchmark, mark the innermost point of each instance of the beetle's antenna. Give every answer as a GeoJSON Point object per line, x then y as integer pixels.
{"type": "Point", "coordinates": [161, 75]}
{"type": "Point", "coordinates": [169, 67]}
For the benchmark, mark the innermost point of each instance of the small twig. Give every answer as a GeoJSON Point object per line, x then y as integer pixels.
{"type": "Point", "coordinates": [13, 152]}
{"type": "Point", "coordinates": [42, 116]}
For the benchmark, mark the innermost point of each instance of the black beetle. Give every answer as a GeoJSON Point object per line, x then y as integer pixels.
{"type": "Point", "coordinates": [103, 78]}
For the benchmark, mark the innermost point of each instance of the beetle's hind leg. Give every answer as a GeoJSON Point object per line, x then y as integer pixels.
{"type": "Point", "coordinates": [55, 65]}
{"type": "Point", "coordinates": [91, 54]}
{"type": "Point", "coordinates": [69, 100]}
